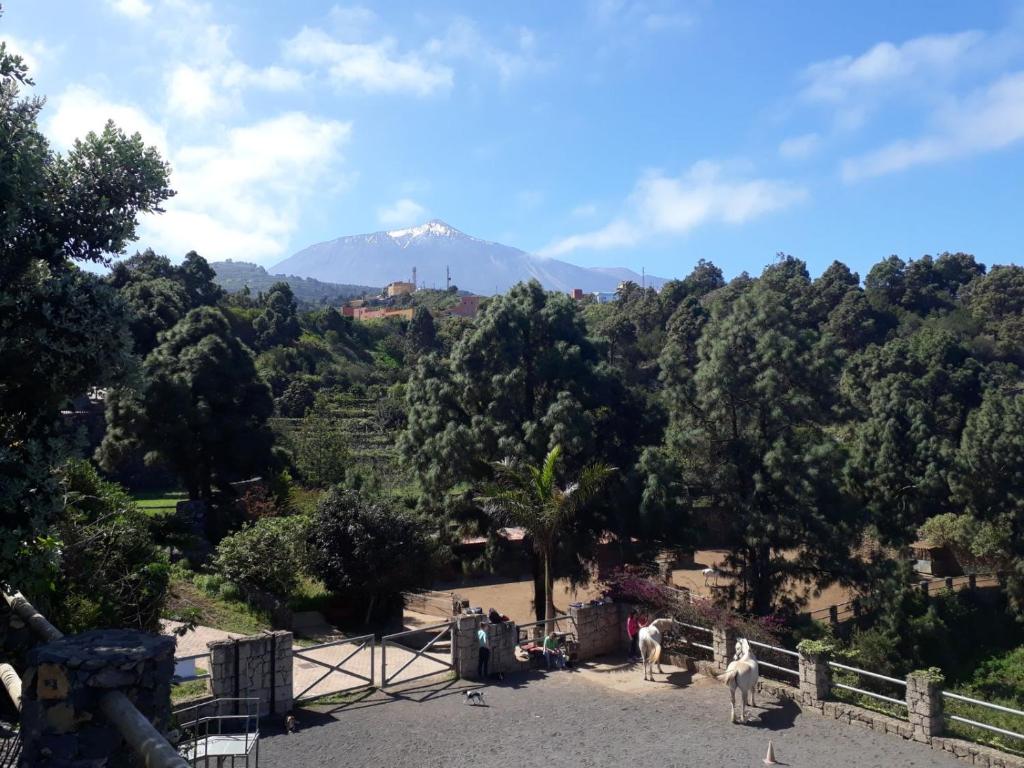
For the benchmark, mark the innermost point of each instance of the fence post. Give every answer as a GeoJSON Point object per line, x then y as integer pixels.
{"type": "Point", "coordinates": [815, 674]}
{"type": "Point", "coordinates": [723, 640]}
{"type": "Point", "coordinates": [67, 681]}
{"type": "Point", "coordinates": [972, 581]}
{"type": "Point", "coordinates": [465, 645]}
{"type": "Point", "coordinates": [924, 703]}
{"type": "Point", "coordinates": [833, 615]}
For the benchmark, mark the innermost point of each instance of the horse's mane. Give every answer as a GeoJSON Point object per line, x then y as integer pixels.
{"type": "Point", "coordinates": [662, 625]}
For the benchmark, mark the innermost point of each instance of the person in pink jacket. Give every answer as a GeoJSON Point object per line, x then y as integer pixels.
{"type": "Point", "coordinates": [633, 630]}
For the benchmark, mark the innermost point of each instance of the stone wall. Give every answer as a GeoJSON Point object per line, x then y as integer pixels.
{"type": "Point", "coordinates": [466, 646]}
{"type": "Point", "coordinates": [924, 705]}
{"type": "Point", "coordinates": [264, 670]}
{"type": "Point", "coordinates": [600, 629]}
{"type": "Point", "coordinates": [65, 681]}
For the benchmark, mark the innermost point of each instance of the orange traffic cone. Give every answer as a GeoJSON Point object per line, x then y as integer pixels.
{"type": "Point", "coordinates": [769, 759]}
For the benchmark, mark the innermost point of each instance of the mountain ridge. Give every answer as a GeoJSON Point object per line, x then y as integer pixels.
{"type": "Point", "coordinates": [477, 265]}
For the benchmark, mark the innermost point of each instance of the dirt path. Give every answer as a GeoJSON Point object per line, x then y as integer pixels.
{"type": "Point", "coordinates": [515, 598]}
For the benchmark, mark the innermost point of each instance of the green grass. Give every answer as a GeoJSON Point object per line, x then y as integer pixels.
{"type": "Point", "coordinates": [345, 697]}
{"type": "Point", "coordinates": [213, 610]}
{"type": "Point", "coordinates": [193, 689]}
{"type": "Point", "coordinates": [159, 502]}
{"type": "Point", "coordinates": [311, 595]}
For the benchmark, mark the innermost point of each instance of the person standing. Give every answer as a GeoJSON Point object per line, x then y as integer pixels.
{"type": "Point", "coordinates": [633, 630]}
{"type": "Point", "coordinates": [484, 660]}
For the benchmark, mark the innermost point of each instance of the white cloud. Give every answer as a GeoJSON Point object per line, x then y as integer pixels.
{"type": "Point", "coordinates": [584, 211]}
{"type": "Point", "coordinates": [190, 91]}
{"type": "Point", "coordinates": [988, 119]}
{"type": "Point", "coordinates": [33, 52]}
{"type": "Point", "coordinates": [464, 41]}
{"type": "Point", "coordinates": [205, 78]}
{"type": "Point", "coordinates": [353, 21]}
{"type": "Point", "coordinates": [664, 205]}
{"type": "Point", "coordinates": [626, 16]}
{"type": "Point", "coordinates": [401, 213]}
{"type": "Point", "coordinates": [136, 9]}
{"type": "Point", "coordinates": [79, 110]}
{"type": "Point", "coordinates": [801, 146]}
{"type": "Point", "coordinates": [239, 196]}
{"type": "Point", "coordinates": [377, 67]}
{"type": "Point", "coordinates": [886, 65]}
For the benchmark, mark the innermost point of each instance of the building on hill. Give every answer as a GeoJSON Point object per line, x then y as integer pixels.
{"type": "Point", "coordinates": [363, 314]}
{"type": "Point", "coordinates": [468, 306]}
{"type": "Point", "coordinates": [399, 288]}
{"type": "Point", "coordinates": [576, 294]}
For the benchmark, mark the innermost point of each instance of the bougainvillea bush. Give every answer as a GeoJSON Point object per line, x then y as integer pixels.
{"type": "Point", "coordinates": [637, 585]}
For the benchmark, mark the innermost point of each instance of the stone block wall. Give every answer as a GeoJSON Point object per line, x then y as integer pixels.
{"type": "Point", "coordinates": [924, 705]}
{"type": "Point", "coordinates": [723, 640]}
{"type": "Point", "coordinates": [65, 681]}
{"type": "Point", "coordinates": [466, 647]}
{"type": "Point", "coordinates": [815, 677]}
{"type": "Point", "coordinates": [600, 629]}
{"type": "Point", "coordinates": [264, 670]}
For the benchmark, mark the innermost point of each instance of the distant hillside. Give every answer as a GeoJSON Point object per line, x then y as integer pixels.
{"type": "Point", "coordinates": [436, 249]}
{"type": "Point", "coordinates": [233, 276]}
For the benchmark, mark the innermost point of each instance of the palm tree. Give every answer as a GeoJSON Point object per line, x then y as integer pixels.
{"type": "Point", "coordinates": [530, 497]}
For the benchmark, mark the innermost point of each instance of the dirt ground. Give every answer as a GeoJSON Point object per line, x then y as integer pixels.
{"type": "Point", "coordinates": [591, 718]}
{"type": "Point", "coordinates": [515, 598]}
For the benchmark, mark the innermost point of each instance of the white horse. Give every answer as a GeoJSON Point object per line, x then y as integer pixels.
{"type": "Point", "coordinates": [649, 641]}
{"type": "Point", "coordinates": [741, 673]}
{"type": "Point", "coordinates": [711, 573]}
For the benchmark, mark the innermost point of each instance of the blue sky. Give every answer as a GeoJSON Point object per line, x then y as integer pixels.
{"type": "Point", "coordinates": [615, 132]}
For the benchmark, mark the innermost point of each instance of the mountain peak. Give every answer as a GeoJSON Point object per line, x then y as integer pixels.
{"type": "Point", "coordinates": [434, 227]}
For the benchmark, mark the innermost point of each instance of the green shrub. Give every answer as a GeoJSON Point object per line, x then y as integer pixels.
{"type": "Point", "coordinates": [111, 573]}
{"type": "Point", "coordinates": [269, 555]}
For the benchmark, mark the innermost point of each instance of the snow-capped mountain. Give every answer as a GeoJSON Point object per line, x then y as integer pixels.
{"type": "Point", "coordinates": [476, 265]}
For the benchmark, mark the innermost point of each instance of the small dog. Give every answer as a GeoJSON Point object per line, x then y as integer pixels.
{"type": "Point", "coordinates": [477, 697]}
{"type": "Point", "coordinates": [290, 725]}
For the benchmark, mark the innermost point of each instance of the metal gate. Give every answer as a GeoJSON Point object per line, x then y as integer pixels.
{"type": "Point", "coordinates": [348, 665]}
{"type": "Point", "coordinates": [412, 663]}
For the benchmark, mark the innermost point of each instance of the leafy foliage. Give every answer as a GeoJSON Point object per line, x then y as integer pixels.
{"type": "Point", "coordinates": [269, 554]}
{"type": "Point", "coordinates": [366, 552]}
{"type": "Point", "coordinates": [61, 330]}
{"type": "Point", "coordinates": [111, 572]}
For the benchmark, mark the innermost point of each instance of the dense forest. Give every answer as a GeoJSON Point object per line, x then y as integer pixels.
{"type": "Point", "coordinates": [814, 427]}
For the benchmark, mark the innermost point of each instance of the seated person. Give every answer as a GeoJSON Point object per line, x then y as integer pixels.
{"type": "Point", "coordinates": [553, 651]}
{"type": "Point", "coordinates": [494, 617]}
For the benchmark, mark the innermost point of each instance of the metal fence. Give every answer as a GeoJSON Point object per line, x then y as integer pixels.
{"type": "Point", "coordinates": [207, 733]}
{"type": "Point", "coordinates": [353, 671]}
{"type": "Point", "coordinates": [562, 624]}
{"type": "Point", "coordinates": [416, 663]}
{"type": "Point", "coordinates": [779, 654]}
{"type": "Point", "coordinates": [872, 676]}
{"type": "Point", "coordinates": [956, 697]}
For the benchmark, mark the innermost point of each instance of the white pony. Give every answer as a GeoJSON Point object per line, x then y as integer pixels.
{"type": "Point", "coordinates": [741, 673]}
{"type": "Point", "coordinates": [711, 573]}
{"type": "Point", "coordinates": [649, 641]}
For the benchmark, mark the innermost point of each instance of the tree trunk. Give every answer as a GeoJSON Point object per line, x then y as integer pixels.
{"type": "Point", "coordinates": [539, 596]}
{"type": "Point", "coordinates": [549, 593]}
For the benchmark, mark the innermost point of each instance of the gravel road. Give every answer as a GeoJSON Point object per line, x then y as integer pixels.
{"type": "Point", "coordinates": [574, 719]}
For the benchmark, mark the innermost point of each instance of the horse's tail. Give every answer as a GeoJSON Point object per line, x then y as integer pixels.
{"type": "Point", "coordinates": [729, 676]}
{"type": "Point", "coordinates": [656, 654]}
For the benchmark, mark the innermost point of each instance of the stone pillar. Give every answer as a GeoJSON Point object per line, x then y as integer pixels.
{"type": "Point", "coordinates": [503, 638]}
{"type": "Point", "coordinates": [465, 647]}
{"type": "Point", "coordinates": [815, 675]}
{"type": "Point", "coordinates": [723, 640]}
{"type": "Point", "coordinates": [599, 629]}
{"type": "Point", "coordinates": [263, 670]}
{"type": "Point", "coordinates": [924, 703]}
{"type": "Point", "coordinates": [62, 720]}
